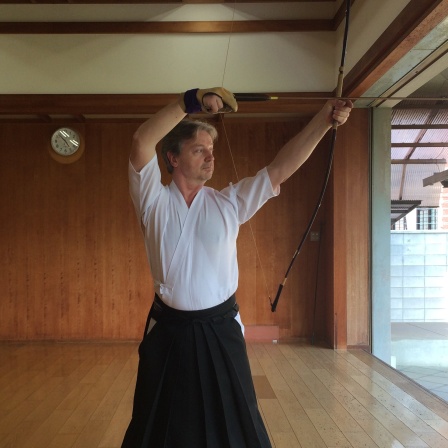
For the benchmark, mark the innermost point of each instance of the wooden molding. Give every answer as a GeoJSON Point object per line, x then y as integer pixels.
{"type": "Point", "coordinates": [191, 27]}
{"type": "Point", "coordinates": [80, 105]}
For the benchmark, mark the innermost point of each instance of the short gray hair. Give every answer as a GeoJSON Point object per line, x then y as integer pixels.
{"type": "Point", "coordinates": [185, 130]}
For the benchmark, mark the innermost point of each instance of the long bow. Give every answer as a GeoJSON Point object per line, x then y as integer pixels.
{"type": "Point", "coordinates": [330, 162]}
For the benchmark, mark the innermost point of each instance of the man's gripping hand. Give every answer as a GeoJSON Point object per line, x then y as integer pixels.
{"type": "Point", "coordinates": [217, 100]}
{"type": "Point", "coordinates": [214, 100]}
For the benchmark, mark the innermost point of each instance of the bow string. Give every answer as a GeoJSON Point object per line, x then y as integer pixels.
{"type": "Point", "coordinates": [230, 147]}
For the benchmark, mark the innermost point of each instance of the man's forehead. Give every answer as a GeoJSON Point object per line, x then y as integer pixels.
{"type": "Point", "coordinates": [200, 140]}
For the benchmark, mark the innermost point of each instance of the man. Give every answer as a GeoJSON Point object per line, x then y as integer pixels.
{"type": "Point", "coordinates": [194, 387]}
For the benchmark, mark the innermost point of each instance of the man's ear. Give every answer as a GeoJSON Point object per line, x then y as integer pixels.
{"type": "Point", "coordinates": [172, 158]}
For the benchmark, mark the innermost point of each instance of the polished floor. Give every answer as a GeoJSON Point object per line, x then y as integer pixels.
{"type": "Point", "coordinates": [80, 396]}
{"type": "Point", "coordinates": [435, 379]}
{"type": "Point", "coordinates": [421, 353]}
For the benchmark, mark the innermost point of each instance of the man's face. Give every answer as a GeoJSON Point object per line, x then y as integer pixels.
{"type": "Point", "coordinates": [195, 162]}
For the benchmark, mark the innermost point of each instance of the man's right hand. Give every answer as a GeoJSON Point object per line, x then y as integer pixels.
{"type": "Point", "coordinates": [214, 100]}
{"type": "Point", "coordinates": [217, 100]}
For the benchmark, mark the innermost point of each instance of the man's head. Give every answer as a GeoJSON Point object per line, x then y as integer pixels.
{"type": "Point", "coordinates": [184, 131]}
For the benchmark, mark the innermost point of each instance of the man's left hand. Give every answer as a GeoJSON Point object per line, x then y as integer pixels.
{"type": "Point", "coordinates": [340, 110]}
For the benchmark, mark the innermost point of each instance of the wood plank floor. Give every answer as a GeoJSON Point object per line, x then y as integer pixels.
{"type": "Point", "coordinates": [79, 395]}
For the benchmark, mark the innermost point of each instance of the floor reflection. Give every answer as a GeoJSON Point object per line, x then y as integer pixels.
{"type": "Point", "coordinates": [420, 351]}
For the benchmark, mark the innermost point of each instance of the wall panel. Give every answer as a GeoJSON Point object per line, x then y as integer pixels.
{"type": "Point", "coordinates": [74, 265]}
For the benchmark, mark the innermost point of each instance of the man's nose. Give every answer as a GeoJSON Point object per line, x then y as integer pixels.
{"type": "Point", "coordinates": [209, 156]}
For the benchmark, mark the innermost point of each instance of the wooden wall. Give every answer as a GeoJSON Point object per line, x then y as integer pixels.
{"type": "Point", "coordinates": [74, 265]}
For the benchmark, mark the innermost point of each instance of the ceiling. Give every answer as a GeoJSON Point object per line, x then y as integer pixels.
{"type": "Point", "coordinates": [285, 49]}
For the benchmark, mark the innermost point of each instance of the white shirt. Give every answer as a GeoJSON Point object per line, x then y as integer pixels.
{"type": "Point", "coordinates": [192, 251]}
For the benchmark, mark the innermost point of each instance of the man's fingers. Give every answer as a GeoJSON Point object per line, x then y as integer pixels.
{"type": "Point", "coordinates": [212, 102]}
{"type": "Point", "coordinates": [227, 99]}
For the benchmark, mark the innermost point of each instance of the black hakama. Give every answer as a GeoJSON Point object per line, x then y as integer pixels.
{"type": "Point", "coordinates": [194, 386]}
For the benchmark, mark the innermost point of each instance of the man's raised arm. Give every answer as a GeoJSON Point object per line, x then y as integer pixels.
{"type": "Point", "coordinates": [152, 131]}
{"type": "Point", "coordinates": [214, 100]}
{"type": "Point", "coordinates": [294, 153]}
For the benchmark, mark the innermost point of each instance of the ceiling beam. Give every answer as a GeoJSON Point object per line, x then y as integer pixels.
{"type": "Point", "coordinates": [436, 105]}
{"type": "Point", "coordinates": [416, 20]}
{"type": "Point", "coordinates": [191, 27]}
{"type": "Point", "coordinates": [420, 145]}
{"type": "Point", "coordinates": [406, 127]}
{"type": "Point", "coordinates": [418, 161]}
{"type": "Point", "coordinates": [435, 178]}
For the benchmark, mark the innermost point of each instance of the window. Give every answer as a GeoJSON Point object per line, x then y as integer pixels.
{"type": "Point", "coordinates": [401, 224]}
{"type": "Point", "coordinates": [426, 219]}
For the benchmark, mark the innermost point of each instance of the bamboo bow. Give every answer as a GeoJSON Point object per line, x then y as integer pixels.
{"type": "Point", "coordinates": [330, 162]}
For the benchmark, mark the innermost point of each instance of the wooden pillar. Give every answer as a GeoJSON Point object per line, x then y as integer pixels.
{"type": "Point", "coordinates": [349, 324]}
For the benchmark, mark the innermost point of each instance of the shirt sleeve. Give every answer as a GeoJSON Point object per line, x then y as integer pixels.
{"type": "Point", "coordinates": [251, 193]}
{"type": "Point", "coordinates": [144, 186]}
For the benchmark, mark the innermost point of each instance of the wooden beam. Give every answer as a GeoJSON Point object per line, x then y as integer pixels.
{"type": "Point", "coordinates": [420, 145]}
{"type": "Point", "coordinates": [191, 27]}
{"type": "Point", "coordinates": [437, 105]}
{"type": "Point", "coordinates": [417, 161]}
{"type": "Point", "coordinates": [414, 22]}
{"type": "Point", "coordinates": [438, 177]}
{"type": "Point", "coordinates": [418, 126]}
{"type": "Point", "coordinates": [119, 104]}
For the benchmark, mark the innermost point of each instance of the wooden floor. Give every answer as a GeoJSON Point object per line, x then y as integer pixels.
{"type": "Point", "coordinates": [80, 396]}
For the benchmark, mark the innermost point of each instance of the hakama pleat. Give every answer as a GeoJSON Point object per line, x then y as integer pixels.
{"type": "Point", "coordinates": [194, 385]}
